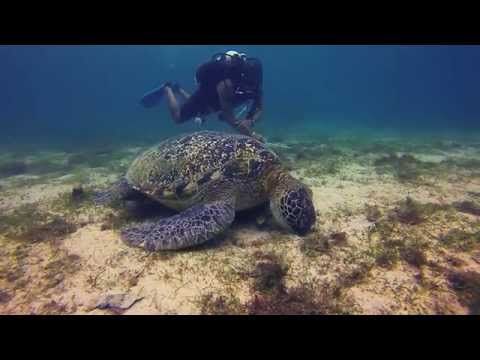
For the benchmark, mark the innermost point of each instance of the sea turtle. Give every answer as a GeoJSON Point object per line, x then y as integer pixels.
{"type": "Point", "coordinates": [207, 176]}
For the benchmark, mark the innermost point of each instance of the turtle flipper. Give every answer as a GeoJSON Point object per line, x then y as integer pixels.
{"type": "Point", "coordinates": [118, 191]}
{"type": "Point", "coordinates": [194, 226]}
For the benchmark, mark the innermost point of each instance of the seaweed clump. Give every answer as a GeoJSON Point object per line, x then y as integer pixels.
{"type": "Point", "coordinates": [269, 273]}
{"type": "Point", "coordinates": [314, 244]}
{"type": "Point", "coordinates": [40, 167]}
{"type": "Point", "coordinates": [405, 168]}
{"type": "Point", "coordinates": [390, 251]}
{"type": "Point", "coordinates": [58, 269]}
{"type": "Point", "coordinates": [78, 194]}
{"type": "Point", "coordinates": [22, 218]}
{"type": "Point", "coordinates": [54, 308]}
{"type": "Point", "coordinates": [411, 212]}
{"type": "Point", "coordinates": [466, 164]}
{"type": "Point", "coordinates": [460, 240]}
{"type": "Point", "coordinates": [300, 300]}
{"type": "Point", "coordinates": [468, 207]}
{"type": "Point", "coordinates": [56, 229]}
{"type": "Point", "coordinates": [90, 159]}
{"type": "Point", "coordinates": [373, 213]}
{"type": "Point", "coordinates": [220, 305]}
{"type": "Point", "coordinates": [319, 243]}
{"type": "Point", "coordinates": [45, 167]}
{"type": "Point", "coordinates": [270, 296]}
{"type": "Point", "coordinates": [377, 147]}
{"type": "Point", "coordinates": [467, 287]}
{"type": "Point", "coordinates": [27, 223]}
{"type": "Point", "coordinates": [390, 246]}
{"type": "Point", "coordinates": [4, 297]}
{"type": "Point", "coordinates": [73, 202]}
{"type": "Point", "coordinates": [13, 168]}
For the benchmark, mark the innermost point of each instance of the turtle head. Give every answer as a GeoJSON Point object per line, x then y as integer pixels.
{"type": "Point", "coordinates": [291, 204]}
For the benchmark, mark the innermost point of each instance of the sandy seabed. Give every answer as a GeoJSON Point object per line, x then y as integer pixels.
{"type": "Point", "coordinates": [350, 262]}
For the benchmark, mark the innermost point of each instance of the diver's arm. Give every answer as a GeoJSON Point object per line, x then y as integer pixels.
{"type": "Point", "coordinates": [225, 94]}
{"type": "Point", "coordinates": [256, 111]}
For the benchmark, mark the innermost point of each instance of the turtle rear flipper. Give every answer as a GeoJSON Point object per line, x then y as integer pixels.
{"type": "Point", "coordinates": [192, 227]}
{"type": "Point", "coordinates": [121, 190]}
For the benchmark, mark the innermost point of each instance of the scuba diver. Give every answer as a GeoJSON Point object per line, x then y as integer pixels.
{"type": "Point", "coordinates": [227, 81]}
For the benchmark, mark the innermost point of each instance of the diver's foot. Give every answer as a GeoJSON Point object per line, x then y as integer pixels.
{"type": "Point", "coordinates": [153, 97]}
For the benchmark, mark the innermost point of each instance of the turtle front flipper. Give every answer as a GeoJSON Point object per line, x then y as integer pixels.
{"type": "Point", "coordinates": [118, 191]}
{"type": "Point", "coordinates": [192, 227]}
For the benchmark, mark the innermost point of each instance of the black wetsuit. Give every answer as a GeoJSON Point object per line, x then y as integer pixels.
{"type": "Point", "coordinates": [246, 76]}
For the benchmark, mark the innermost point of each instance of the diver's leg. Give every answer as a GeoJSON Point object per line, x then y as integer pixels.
{"type": "Point", "coordinates": [173, 105]}
{"type": "Point", "coordinates": [196, 105]}
{"type": "Point", "coordinates": [185, 95]}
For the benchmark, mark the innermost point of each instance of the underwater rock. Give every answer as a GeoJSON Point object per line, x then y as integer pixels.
{"type": "Point", "coordinates": [13, 168]}
{"type": "Point", "coordinates": [117, 302]}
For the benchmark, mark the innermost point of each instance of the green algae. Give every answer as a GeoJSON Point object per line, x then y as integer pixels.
{"type": "Point", "coordinates": [460, 240]}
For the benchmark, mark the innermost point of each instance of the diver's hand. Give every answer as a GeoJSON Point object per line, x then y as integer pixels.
{"type": "Point", "coordinates": [241, 127]}
{"type": "Point", "coordinates": [259, 137]}
{"type": "Point", "coordinates": [246, 123]}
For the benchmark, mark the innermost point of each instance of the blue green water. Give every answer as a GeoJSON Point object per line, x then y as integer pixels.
{"type": "Point", "coordinates": [77, 95]}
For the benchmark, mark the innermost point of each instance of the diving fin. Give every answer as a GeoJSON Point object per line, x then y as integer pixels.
{"type": "Point", "coordinates": [153, 97]}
